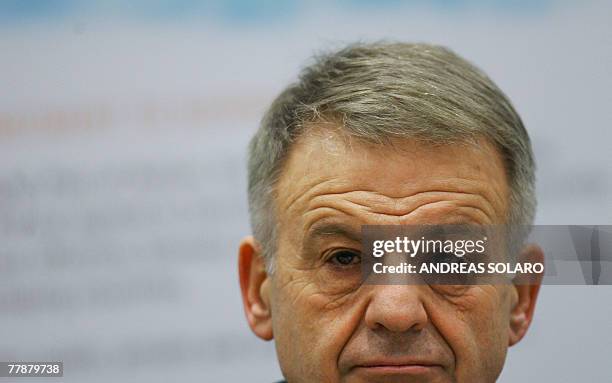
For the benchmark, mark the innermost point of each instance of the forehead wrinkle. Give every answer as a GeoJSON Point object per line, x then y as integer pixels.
{"type": "Point", "coordinates": [495, 195]}
{"type": "Point", "coordinates": [377, 202]}
{"type": "Point", "coordinates": [300, 194]}
{"type": "Point", "coordinates": [372, 206]}
{"type": "Point", "coordinates": [461, 211]}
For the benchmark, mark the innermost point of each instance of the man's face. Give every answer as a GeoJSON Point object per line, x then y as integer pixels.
{"type": "Point", "coordinates": [328, 327]}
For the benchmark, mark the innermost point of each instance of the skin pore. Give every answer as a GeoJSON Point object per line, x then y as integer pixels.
{"type": "Point", "coordinates": [327, 326]}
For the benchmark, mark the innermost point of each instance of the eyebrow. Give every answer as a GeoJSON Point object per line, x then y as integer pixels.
{"type": "Point", "coordinates": [333, 230]}
{"type": "Point", "coordinates": [451, 229]}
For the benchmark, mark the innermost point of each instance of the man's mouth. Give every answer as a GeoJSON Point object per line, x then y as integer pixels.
{"type": "Point", "coordinates": [398, 367]}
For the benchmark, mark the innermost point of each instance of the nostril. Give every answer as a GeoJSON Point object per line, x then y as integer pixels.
{"type": "Point", "coordinates": [397, 309]}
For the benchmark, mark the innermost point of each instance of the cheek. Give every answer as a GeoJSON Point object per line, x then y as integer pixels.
{"type": "Point", "coordinates": [311, 328]}
{"type": "Point", "coordinates": [475, 327]}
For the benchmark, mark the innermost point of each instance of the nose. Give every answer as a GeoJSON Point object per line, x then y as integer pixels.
{"type": "Point", "coordinates": [397, 308]}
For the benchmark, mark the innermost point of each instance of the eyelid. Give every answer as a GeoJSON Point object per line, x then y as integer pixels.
{"type": "Point", "coordinates": [328, 254]}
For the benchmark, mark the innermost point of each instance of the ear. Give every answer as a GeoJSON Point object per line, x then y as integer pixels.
{"type": "Point", "coordinates": [255, 288]}
{"type": "Point", "coordinates": [525, 294]}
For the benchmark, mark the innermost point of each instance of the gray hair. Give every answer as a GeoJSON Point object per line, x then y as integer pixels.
{"type": "Point", "coordinates": [380, 91]}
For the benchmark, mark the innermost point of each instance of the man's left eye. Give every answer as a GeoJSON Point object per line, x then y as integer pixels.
{"type": "Point", "coordinates": [345, 258]}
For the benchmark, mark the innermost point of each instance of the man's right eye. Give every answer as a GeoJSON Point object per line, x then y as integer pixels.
{"type": "Point", "coordinates": [345, 258]}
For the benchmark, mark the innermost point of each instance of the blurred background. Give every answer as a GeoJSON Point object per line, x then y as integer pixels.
{"type": "Point", "coordinates": [123, 128]}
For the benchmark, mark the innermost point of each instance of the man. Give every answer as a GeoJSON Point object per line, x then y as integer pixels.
{"type": "Point", "coordinates": [383, 134]}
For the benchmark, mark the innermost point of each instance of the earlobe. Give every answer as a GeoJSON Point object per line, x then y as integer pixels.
{"type": "Point", "coordinates": [255, 289]}
{"type": "Point", "coordinates": [526, 291]}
